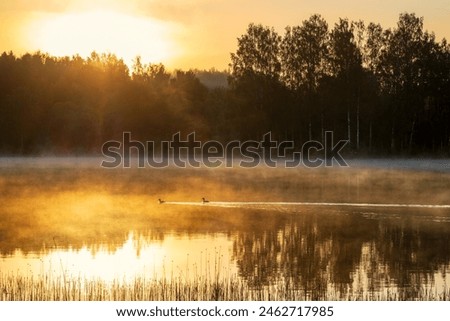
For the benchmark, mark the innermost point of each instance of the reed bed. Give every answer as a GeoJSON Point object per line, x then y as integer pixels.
{"type": "Point", "coordinates": [45, 288]}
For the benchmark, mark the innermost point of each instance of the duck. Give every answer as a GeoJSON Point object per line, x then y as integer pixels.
{"type": "Point", "coordinates": [204, 200]}
{"type": "Point", "coordinates": [160, 201]}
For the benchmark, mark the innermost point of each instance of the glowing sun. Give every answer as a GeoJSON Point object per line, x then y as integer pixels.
{"type": "Point", "coordinates": [104, 31]}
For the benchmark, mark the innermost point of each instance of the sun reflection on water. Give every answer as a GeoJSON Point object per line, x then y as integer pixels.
{"type": "Point", "coordinates": [261, 229]}
{"type": "Point", "coordinates": [174, 256]}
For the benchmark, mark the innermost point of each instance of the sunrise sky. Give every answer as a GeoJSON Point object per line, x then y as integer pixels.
{"type": "Point", "coordinates": [182, 33]}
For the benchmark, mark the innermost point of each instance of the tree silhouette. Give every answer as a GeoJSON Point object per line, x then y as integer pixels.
{"type": "Point", "coordinates": [304, 56]}
{"type": "Point", "coordinates": [387, 91]}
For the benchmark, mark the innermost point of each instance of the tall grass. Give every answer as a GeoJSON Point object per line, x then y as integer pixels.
{"type": "Point", "coordinates": [45, 288]}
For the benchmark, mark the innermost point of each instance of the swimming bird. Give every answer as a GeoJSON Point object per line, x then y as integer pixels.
{"type": "Point", "coordinates": [204, 200]}
{"type": "Point", "coordinates": [160, 201]}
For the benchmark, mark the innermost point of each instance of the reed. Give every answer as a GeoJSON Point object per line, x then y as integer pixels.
{"type": "Point", "coordinates": [232, 288]}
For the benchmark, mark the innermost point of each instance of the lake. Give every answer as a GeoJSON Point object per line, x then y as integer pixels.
{"type": "Point", "coordinates": [377, 230]}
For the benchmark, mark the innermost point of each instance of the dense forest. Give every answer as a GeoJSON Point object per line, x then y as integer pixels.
{"type": "Point", "coordinates": [385, 90]}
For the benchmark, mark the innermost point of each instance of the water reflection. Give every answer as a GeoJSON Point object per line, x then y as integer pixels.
{"type": "Point", "coordinates": [172, 257]}
{"type": "Point", "coordinates": [313, 249]}
{"type": "Point", "coordinates": [90, 224]}
{"type": "Point", "coordinates": [346, 249]}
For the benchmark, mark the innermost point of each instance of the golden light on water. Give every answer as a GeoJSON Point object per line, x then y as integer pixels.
{"type": "Point", "coordinates": [104, 31]}
{"type": "Point", "coordinates": [175, 256]}
{"type": "Point", "coordinates": [80, 226]}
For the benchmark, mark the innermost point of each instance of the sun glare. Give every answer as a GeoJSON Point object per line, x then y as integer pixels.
{"type": "Point", "coordinates": [103, 31]}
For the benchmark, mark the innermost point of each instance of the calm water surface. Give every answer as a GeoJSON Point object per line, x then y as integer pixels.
{"type": "Point", "coordinates": [263, 226]}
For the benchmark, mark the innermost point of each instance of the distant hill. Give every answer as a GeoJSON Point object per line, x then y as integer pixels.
{"type": "Point", "coordinates": [213, 78]}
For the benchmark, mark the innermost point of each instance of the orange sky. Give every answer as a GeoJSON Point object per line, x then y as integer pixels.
{"type": "Point", "coordinates": [181, 33]}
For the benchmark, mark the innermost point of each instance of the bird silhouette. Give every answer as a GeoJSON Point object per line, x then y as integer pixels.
{"type": "Point", "coordinates": [204, 200]}
{"type": "Point", "coordinates": [160, 201]}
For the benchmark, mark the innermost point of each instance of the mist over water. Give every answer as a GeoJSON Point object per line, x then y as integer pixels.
{"type": "Point", "coordinates": [370, 227]}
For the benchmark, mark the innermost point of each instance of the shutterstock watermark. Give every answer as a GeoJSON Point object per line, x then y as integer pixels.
{"type": "Point", "coordinates": [184, 152]}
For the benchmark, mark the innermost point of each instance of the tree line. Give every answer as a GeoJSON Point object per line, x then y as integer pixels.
{"type": "Point", "coordinates": [385, 90]}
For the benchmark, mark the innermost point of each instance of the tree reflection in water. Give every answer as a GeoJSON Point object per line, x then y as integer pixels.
{"type": "Point", "coordinates": [341, 251]}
